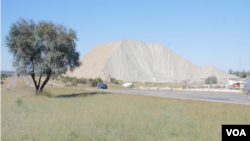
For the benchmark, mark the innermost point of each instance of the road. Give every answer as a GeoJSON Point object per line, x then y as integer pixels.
{"type": "Point", "coordinates": [224, 98]}
{"type": "Point", "coordinates": [12, 83]}
{"type": "Point", "coordinates": [28, 82]}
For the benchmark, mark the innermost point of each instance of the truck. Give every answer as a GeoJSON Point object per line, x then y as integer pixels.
{"type": "Point", "coordinates": [102, 85]}
{"type": "Point", "coordinates": [233, 84]}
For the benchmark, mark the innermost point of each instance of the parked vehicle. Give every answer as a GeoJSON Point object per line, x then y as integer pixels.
{"type": "Point", "coordinates": [128, 85]}
{"type": "Point", "coordinates": [234, 84]}
{"type": "Point", "coordinates": [102, 85]}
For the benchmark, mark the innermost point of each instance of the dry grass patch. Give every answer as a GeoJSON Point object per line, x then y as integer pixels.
{"type": "Point", "coordinates": [20, 83]}
{"type": "Point", "coordinates": [85, 115]}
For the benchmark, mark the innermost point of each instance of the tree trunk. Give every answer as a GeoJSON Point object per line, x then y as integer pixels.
{"type": "Point", "coordinates": [44, 83]}
{"type": "Point", "coordinates": [34, 81]}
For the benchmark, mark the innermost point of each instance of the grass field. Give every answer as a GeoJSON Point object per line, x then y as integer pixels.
{"type": "Point", "coordinates": [83, 115]}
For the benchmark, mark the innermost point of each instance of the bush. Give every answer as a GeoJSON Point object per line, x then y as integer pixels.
{"type": "Point", "coordinates": [99, 79]}
{"type": "Point", "coordinates": [113, 80]}
{"type": "Point", "coordinates": [94, 83]}
{"type": "Point", "coordinates": [1, 82]}
{"type": "Point", "coordinates": [19, 102]}
{"type": "Point", "coordinates": [46, 93]}
{"type": "Point", "coordinates": [90, 80]}
{"type": "Point", "coordinates": [82, 80]}
{"type": "Point", "coordinates": [74, 83]}
{"type": "Point", "coordinates": [211, 80]}
{"type": "Point", "coordinates": [64, 81]}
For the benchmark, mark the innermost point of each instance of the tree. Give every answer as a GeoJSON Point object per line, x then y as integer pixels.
{"type": "Point", "coordinates": [94, 82]}
{"type": "Point", "coordinates": [211, 80]}
{"type": "Point", "coordinates": [113, 80]}
{"type": "Point", "coordinates": [90, 80]}
{"type": "Point", "coordinates": [42, 49]}
{"type": "Point", "coordinates": [248, 73]}
{"type": "Point", "coordinates": [231, 71]}
{"type": "Point", "coordinates": [236, 73]}
{"type": "Point", "coordinates": [99, 79]}
{"type": "Point", "coordinates": [82, 80]}
{"type": "Point", "coordinates": [243, 74]}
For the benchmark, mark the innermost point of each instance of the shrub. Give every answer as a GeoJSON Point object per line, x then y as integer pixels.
{"type": "Point", "coordinates": [113, 80]}
{"type": "Point", "coordinates": [99, 79]}
{"type": "Point", "coordinates": [211, 80]}
{"type": "Point", "coordinates": [64, 81]}
{"type": "Point", "coordinates": [51, 84]}
{"type": "Point", "coordinates": [19, 102]}
{"type": "Point", "coordinates": [82, 80]}
{"type": "Point", "coordinates": [1, 82]}
{"type": "Point", "coordinates": [94, 83]}
{"type": "Point", "coordinates": [90, 80]}
{"type": "Point", "coordinates": [74, 83]}
{"type": "Point", "coordinates": [46, 93]}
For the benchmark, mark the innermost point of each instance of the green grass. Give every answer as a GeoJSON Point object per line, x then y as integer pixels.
{"type": "Point", "coordinates": [88, 115]}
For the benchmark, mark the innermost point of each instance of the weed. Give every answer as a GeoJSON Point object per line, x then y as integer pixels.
{"type": "Point", "coordinates": [46, 93]}
{"type": "Point", "coordinates": [19, 102]}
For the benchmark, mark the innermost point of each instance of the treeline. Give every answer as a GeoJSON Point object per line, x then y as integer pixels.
{"type": "Point", "coordinates": [74, 80]}
{"type": "Point", "coordinates": [3, 76]}
{"type": "Point", "coordinates": [242, 74]}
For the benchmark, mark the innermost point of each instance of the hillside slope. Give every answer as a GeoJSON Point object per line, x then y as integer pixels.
{"type": "Point", "coordinates": [134, 60]}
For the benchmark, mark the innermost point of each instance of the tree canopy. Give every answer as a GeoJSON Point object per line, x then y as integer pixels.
{"type": "Point", "coordinates": [211, 80]}
{"type": "Point", "coordinates": [40, 49]}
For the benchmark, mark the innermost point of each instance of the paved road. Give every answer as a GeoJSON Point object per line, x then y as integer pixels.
{"type": "Point", "coordinates": [12, 84]}
{"type": "Point", "coordinates": [224, 98]}
{"type": "Point", "coordinates": [28, 82]}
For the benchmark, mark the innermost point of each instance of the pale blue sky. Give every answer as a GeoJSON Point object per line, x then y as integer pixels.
{"type": "Point", "coordinates": [206, 32]}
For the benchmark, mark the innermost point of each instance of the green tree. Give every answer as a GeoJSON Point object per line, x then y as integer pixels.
{"type": "Point", "coordinates": [211, 80]}
{"type": "Point", "coordinates": [82, 80]}
{"type": "Point", "coordinates": [113, 80]}
{"type": "Point", "coordinates": [90, 80]}
{"type": "Point", "coordinates": [236, 73]}
{"type": "Point", "coordinates": [243, 74]}
{"type": "Point", "coordinates": [42, 49]}
{"type": "Point", "coordinates": [99, 79]}
{"type": "Point", "coordinates": [231, 71]}
{"type": "Point", "coordinates": [94, 83]}
{"type": "Point", "coordinates": [74, 83]}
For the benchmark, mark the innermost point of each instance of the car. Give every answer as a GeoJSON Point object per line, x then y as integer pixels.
{"type": "Point", "coordinates": [102, 85]}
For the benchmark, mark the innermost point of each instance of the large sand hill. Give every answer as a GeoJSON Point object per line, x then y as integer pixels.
{"type": "Point", "coordinates": [134, 60]}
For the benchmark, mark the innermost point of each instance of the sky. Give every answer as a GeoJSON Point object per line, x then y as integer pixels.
{"type": "Point", "coordinates": [205, 32]}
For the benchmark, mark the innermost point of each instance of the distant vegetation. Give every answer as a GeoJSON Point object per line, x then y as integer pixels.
{"type": "Point", "coordinates": [74, 80]}
{"type": "Point", "coordinates": [211, 80]}
{"type": "Point", "coordinates": [113, 80]}
{"type": "Point", "coordinates": [242, 74]}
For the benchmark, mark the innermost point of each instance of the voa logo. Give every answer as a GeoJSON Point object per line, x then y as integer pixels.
{"type": "Point", "coordinates": [236, 132]}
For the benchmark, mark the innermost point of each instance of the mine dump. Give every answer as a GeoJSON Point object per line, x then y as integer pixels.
{"type": "Point", "coordinates": [136, 61]}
